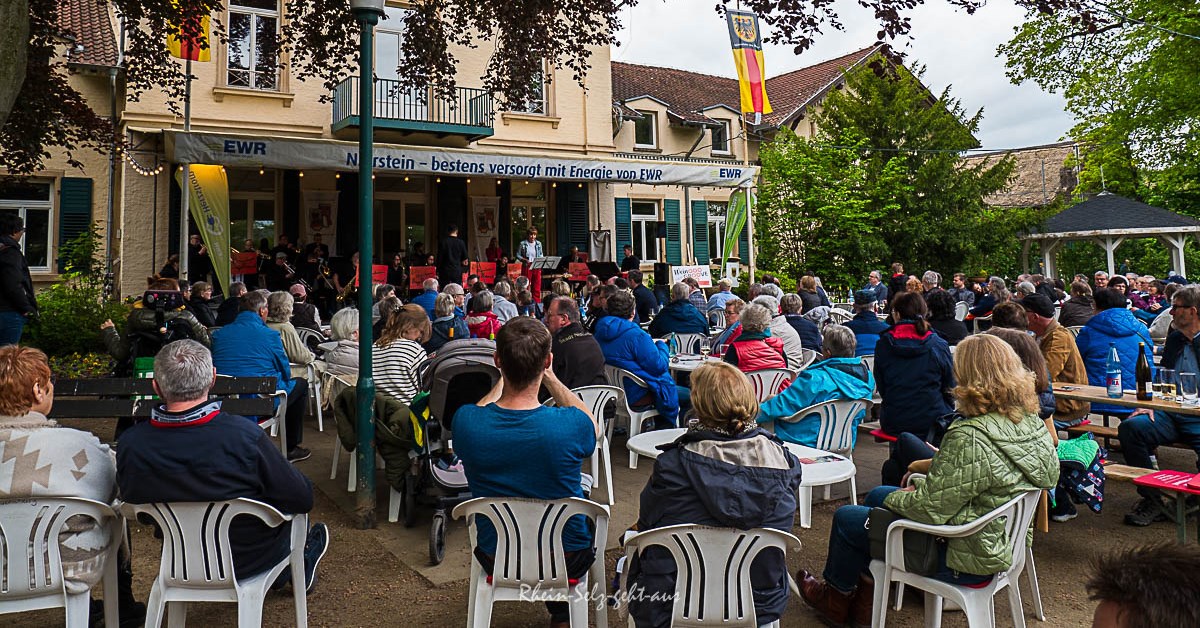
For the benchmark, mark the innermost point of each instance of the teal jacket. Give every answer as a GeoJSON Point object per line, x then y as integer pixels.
{"type": "Point", "coordinates": [984, 462]}
{"type": "Point", "coordinates": [834, 378]}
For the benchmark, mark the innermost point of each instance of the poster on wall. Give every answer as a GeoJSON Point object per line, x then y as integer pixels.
{"type": "Point", "coordinates": [320, 216]}
{"type": "Point", "coordinates": [701, 274]}
{"type": "Point", "coordinates": [485, 211]}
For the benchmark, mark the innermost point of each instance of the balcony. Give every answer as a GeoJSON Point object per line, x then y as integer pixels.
{"type": "Point", "coordinates": [468, 115]}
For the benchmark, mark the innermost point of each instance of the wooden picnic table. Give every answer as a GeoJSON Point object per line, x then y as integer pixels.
{"type": "Point", "coordinates": [1099, 394]}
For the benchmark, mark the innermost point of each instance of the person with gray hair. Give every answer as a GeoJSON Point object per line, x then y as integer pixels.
{"type": "Point", "coordinates": [755, 348]}
{"type": "Point", "coordinates": [192, 451]}
{"type": "Point", "coordinates": [808, 330]}
{"type": "Point", "coordinates": [780, 328]}
{"type": "Point", "coordinates": [679, 316]}
{"type": "Point", "coordinates": [429, 292]}
{"type": "Point", "coordinates": [502, 304]}
{"type": "Point", "coordinates": [837, 375]}
{"type": "Point", "coordinates": [341, 353]}
{"type": "Point", "coordinates": [578, 360]}
{"type": "Point", "coordinates": [771, 290]}
{"type": "Point", "coordinates": [248, 348]}
{"type": "Point", "coordinates": [931, 280]}
{"type": "Point", "coordinates": [279, 317]}
{"type": "Point", "coordinates": [229, 308]}
{"type": "Point", "coordinates": [448, 324]}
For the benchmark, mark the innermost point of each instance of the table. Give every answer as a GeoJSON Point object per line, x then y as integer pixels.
{"type": "Point", "coordinates": [688, 363]}
{"type": "Point", "coordinates": [1175, 482]}
{"type": "Point", "coordinates": [1099, 394]}
{"type": "Point", "coordinates": [813, 474]}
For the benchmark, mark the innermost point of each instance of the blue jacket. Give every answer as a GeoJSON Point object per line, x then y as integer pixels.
{"type": "Point", "coordinates": [718, 300]}
{"type": "Point", "coordinates": [1119, 326]}
{"type": "Point", "coordinates": [248, 348]}
{"type": "Point", "coordinates": [426, 300]}
{"type": "Point", "coordinates": [834, 378]}
{"type": "Point", "coordinates": [810, 334]}
{"type": "Point", "coordinates": [680, 317]}
{"type": "Point", "coordinates": [915, 374]}
{"type": "Point", "coordinates": [627, 346]}
{"type": "Point", "coordinates": [866, 327]}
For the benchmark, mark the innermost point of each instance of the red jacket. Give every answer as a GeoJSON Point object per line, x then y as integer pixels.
{"type": "Point", "coordinates": [753, 352]}
{"type": "Point", "coordinates": [483, 325]}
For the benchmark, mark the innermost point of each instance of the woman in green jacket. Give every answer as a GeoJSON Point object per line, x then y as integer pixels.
{"type": "Point", "coordinates": [999, 452]}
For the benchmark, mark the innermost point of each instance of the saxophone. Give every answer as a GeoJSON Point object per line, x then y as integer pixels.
{"type": "Point", "coordinates": [344, 295]}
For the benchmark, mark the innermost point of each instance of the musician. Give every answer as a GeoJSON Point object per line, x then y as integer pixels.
{"type": "Point", "coordinates": [281, 275]}
{"type": "Point", "coordinates": [321, 250]}
{"type": "Point", "coordinates": [451, 258]}
{"type": "Point", "coordinates": [397, 275]}
{"type": "Point", "coordinates": [251, 279]}
{"type": "Point", "coordinates": [575, 257]}
{"type": "Point", "coordinates": [530, 250]}
{"type": "Point", "coordinates": [345, 282]}
{"type": "Point", "coordinates": [286, 247]}
{"type": "Point", "coordinates": [494, 252]}
{"type": "Point", "coordinates": [198, 263]}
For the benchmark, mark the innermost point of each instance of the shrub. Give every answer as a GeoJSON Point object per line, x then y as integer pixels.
{"type": "Point", "coordinates": [80, 365]}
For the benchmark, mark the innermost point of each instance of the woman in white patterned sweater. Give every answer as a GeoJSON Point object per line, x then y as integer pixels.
{"type": "Point", "coordinates": [399, 354]}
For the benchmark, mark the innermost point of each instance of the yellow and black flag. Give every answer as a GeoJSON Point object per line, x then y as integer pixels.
{"type": "Point", "coordinates": [746, 40]}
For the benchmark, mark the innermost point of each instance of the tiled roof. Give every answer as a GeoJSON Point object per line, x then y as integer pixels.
{"type": "Point", "coordinates": [688, 94]}
{"type": "Point", "coordinates": [88, 22]}
{"type": "Point", "coordinates": [1111, 212]}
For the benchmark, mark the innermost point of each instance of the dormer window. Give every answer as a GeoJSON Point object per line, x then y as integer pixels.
{"type": "Point", "coordinates": [645, 130]}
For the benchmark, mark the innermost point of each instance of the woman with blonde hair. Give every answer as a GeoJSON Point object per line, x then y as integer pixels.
{"type": "Point", "coordinates": [999, 450]}
{"type": "Point", "coordinates": [724, 471]}
{"type": "Point", "coordinates": [399, 353]}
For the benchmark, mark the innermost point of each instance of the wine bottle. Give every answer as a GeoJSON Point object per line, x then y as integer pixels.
{"type": "Point", "coordinates": [1144, 377]}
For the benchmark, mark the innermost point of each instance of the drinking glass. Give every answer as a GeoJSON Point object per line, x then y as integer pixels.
{"type": "Point", "coordinates": [1164, 381]}
{"type": "Point", "coordinates": [1188, 389]}
{"type": "Point", "coordinates": [705, 346]}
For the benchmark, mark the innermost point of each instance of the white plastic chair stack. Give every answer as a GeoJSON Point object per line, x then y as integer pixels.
{"type": "Point", "coordinates": [197, 565]}
{"type": "Point", "coordinates": [31, 564]}
{"type": "Point", "coordinates": [529, 554]}
{"type": "Point", "coordinates": [597, 398]}
{"type": "Point", "coordinates": [712, 586]}
{"type": "Point", "coordinates": [978, 603]}
{"type": "Point", "coordinates": [766, 382]}
{"type": "Point", "coordinates": [615, 377]}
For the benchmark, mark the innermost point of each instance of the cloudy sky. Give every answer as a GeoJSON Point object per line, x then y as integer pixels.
{"type": "Point", "coordinates": [959, 50]}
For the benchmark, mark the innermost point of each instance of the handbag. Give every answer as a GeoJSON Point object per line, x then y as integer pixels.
{"type": "Point", "coordinates": [920, 548]}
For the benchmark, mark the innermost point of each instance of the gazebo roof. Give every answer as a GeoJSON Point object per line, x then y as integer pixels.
{"type": "Point", "coordinates": [1113, 215]}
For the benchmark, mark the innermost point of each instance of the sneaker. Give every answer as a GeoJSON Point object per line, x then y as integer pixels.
{"type": "Point", "coordinates": [1063, 517]}
{"type": "Point", "coordinates": [1063, 510]}
{"type": "Point", "coordinates": [1147, 511]}
{"type": "Point", "coordinates": [314, 550]}
{"type": "Point", "coordinates": [298, 454]}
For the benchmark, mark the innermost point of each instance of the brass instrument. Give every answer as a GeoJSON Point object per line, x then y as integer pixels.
{"type": "Point", "coordinates": [344, 295]}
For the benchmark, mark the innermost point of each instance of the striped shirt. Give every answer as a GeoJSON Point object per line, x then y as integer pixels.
{"type": "Point", "coordinates": [395, 369]}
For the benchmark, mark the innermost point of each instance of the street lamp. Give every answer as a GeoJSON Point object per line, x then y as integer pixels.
{"type": "Point", "coordinates": [367, 13]}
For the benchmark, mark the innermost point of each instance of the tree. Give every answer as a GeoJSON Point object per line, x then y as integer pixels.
{"type": "Point", "coordinates": [320, 39]}
{"type": "Point", "coordinates": [882, 181]}
{"type": "Point", "coordinates": [1132, 82]}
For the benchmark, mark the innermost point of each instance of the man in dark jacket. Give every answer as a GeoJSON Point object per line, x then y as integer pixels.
{"type": "Point", "coordinates": [865, 324]}
{"type": "Point", "coordinates": [598, 308]}
{"type": "Point", "coordinates": [451, 257]}
{"type": "Point", "coordinates": [17, 302]}
{"type": "Point", "coordinates": [679, 316]}
{"type": "Point", "coordinates": [578, 360]}
{"type": "Point", "coordinates": [191, 451]}
{"type": "Point", "coordinates": [228, 310]}
{"type": "Point", "coordinates": [642, 297]}
{"type": "Point", "coordinates": [630, 261]}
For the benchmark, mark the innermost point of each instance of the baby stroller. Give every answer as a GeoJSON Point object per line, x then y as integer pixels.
{"type": "Point", "coordinates": [462, 373]}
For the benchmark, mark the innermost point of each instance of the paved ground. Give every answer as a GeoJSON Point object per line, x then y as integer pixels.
{"type": "Point", "coordinates": [382, 577]}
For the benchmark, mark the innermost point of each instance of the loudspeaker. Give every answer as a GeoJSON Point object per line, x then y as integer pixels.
{"type": "Point", "coordinates": [662, 274]}
{"type": "Point", "coordinates": [660, 229]}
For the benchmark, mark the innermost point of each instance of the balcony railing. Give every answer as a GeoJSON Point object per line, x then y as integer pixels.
{"type": "Point", "coordinates": [469, 113]}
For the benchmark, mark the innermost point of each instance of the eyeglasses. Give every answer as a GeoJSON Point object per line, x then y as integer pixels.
{"type": "Point", "coordinates": [1180, 306]}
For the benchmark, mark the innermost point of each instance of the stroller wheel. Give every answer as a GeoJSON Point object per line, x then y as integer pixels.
{"type": "Point", "coordinates": [437, 538]}
{"type": "Point", "coordinates": [409, 502]}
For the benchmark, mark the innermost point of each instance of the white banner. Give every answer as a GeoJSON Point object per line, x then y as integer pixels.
{"type": "Point", "coordinates": [278, 152]}
{"type": "Point", "coordinates": [320, 217]}
{"type": "Point", "coordinates": [485, 211]}
{"type": "Point", "coordinates": [700, 273]}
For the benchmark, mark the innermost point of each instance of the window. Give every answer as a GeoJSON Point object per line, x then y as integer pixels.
{"type": "Point", "coordinates": [31, 201]}
{"type": "Point", "coordinates": [251, 206]}
{"type": "Point", "coordinates": [644, 215]}
{"type": "Point", "coordinates": [645, 131]}
{"type": "Point", "coordinates": [390, 101]}
{"type": "Point", "coordinates": [537, 100]}
{"type": "Point", "coordinates": [253, 44]}
{"type": "Point", "coordinates": [716, 228]}
{"type": "Point", "coordinates": [720, 138]}
{"type": "Point", "coordinates": [528, 212]}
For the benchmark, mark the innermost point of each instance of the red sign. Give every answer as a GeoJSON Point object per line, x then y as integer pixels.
{"type": "Point", "coordinates": [417, 275]}
{"type": "Point", "coordinates": [379, 273]}
{"type": "Point", "coordinates": [514, 270]}
{"type": "Point", "coordinates": [485, 270]}
{"type": "Point", "coordinates": [579, 272]}
{"type": "Point", "coordinates": [244, 264]}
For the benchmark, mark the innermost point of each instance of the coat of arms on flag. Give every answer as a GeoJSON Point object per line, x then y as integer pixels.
{"type": "Point", "coordinates": [746, 40]}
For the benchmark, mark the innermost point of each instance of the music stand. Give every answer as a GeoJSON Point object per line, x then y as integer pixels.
{"type": "Point", "coordinates": [549, 262]}
{"type": "Point", "coordinates": [604, 270]}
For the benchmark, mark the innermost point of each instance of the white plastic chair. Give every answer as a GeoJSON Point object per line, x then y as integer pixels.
{"type": "Point", "coordinates": [335, 384]}
{"type": "Point", "coordinates": [712, 585]}
{"type": "Point", "coordinates": [1075, 329]}
{"type": "Point", "coordinates": [687, 344]}
{"type": "Point", "coordinates": [836, 434]}
{"type": "Point", "coordinates": [308, 336]}
{"type": "Point", "coordinates": [839, 316]}
{"type": "Point", "coordinates": [869, 362]}
{"type": "Point", "coordinates": [976, 603]}
{"type": "Point", "coordinates": [197, 565]}
{"type": "Point", "coordinates": [766, 382]}
{"type": "Point", "coordinates": [31, 562]}
{"type": "Point", "coordinates": [615, 376]}
{"type": "Point", "coordinates": [960, 310]}
{"type": "Point", "coordinates": [716, 318]}
{"type": "Point", "coordinates": [597, 399]}
{"type": "Point", "coordinates": [807, 357]}
{"type": "Point", "coordinates": [277, 425]}
{"type": "Point", "coordinates": [314, 385]}
{"type": "Point", "coordinates": [529, 554]}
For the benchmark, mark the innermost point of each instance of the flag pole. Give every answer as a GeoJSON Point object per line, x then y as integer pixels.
{"type": "Point", "coordinates": [749, 207]}
{"type": "Point", "coordinates": [187, 171]}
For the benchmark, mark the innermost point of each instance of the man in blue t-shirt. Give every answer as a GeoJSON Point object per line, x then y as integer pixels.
{"type": "Point", "coordinates": [553, 443]}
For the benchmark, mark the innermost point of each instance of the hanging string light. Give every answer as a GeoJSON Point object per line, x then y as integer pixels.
{"type": "Point", "coordinates": [139, 168]}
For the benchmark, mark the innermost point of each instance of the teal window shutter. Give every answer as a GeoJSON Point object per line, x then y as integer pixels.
{"type": "Point", "coordinates": [74, 210]}
{"type": "Point", "coordinates": [700, 232]}
{"type": "Point", "coordinates": [577, 217]}
{"type": "Point", "coordinates": [671, 214]}
{"type": "Point", "coordinates": [744, 244]}
{"type": "Point", "coordinates": [624, 225]}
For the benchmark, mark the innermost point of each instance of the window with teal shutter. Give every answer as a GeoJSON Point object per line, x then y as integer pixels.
{"type": "Point", "coordinates": [671, 214]}
{"type": "Point", "coordinates": [74, 210]}
{"type": "Point", "coordinates": [577, 217]}
{"type": "Point", "coordinates": [744, 244]}
{"type": "Point", "coordinates": [624, 225]}
{"type": "Point", "coordinates": [700, 232]}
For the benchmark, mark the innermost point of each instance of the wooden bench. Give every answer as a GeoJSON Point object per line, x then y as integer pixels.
{"type": "Point", "coordinates": [133, 398]}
